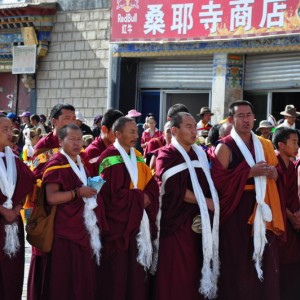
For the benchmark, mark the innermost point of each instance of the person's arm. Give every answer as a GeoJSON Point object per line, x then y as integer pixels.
{"type": "Point", "coordinates": [190, 198]}
{"type": "Point", "coordinates": [55, 196]}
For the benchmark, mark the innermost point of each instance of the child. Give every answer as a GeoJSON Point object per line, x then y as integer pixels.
{"type": "Point", "coordinates": [285, 141]}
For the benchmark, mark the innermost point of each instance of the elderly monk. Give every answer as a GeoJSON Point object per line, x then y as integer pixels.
{"type": "Point", "coordinates": [130, 197]}
{"type": "Point", "coordinates": [244, 174]}
{"type": "Point", "coordinates": [16, 180]}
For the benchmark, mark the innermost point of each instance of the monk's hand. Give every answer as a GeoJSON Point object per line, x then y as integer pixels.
{"type": "Point", "coordinates": [87, 192]}
{"type": "Point", "coordinates": [210, 204]}
{"type": "Point", "coordinates": [263, 169]}
{"type": "Point", "coordinates": [10, 216]}
{"type": "Point", "coordinates": [147, 201]}
{"type": "Point", "coordinates": [272, 173]}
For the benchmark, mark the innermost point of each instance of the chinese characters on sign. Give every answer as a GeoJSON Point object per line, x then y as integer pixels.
{"type": "Point", "coordinates": [155, 20]}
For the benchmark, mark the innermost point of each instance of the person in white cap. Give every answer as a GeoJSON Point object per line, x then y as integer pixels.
{"type": "Point", "coordinates": [80, 121]}
{"type": "Point", "coordinates": [290, 115]}
{"type": "Point", "coordinates": [135, 114]}
{"type": "Point", "coordinates": [204, 125]}
{"type": "Point", "coordinates": [265, 128]}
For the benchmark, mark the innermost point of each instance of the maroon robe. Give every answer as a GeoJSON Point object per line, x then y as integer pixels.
{"type": "Point", "coordinates": [91, 155]}
{"type": "Point", "coordinates": [71, 270]}
{"type": "Point", "coordinates": [180, 248]}
{"type": "Point", "coordinates": [153, 144]}
{"type": "Point", "coordinates": [121, 276]}
{"type": "Point", "coordinates": [12, 269]}
{"type": "Point", "coordinates": [238, 276]}
{"type": "Point", "coordinates": [289, 250]}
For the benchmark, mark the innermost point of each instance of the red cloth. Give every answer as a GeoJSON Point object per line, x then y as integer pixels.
{"type": "Point", "coordinates": [180, 250]}
{"type": "Point", "coordinates": [49, 141]}
{"type": "Point", "coordinates": [153, 144]}
{"type": "Point", "coordinates": [289, 250]}
{"type": "Point", "coordinates": [124, 210]}
{"type": "Point", "coordinates": [92, 152]}
{"type": "Point", "coordinates": [71, 255]}
{"type": "Point", "coordinates": [238, 277]}
{"type": "Point", "coordinates": [12, 269]}
{"type": "Point", "coordinates": [146, 137]}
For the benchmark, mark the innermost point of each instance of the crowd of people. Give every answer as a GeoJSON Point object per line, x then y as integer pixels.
{"type": "Point", "coordinates": [200, 212]}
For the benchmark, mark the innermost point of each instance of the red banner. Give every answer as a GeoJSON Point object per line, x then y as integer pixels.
{"type": "Point", "coordinates": [186, 20]}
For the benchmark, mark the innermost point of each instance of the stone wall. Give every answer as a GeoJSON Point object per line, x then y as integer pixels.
{"type": "Point", "coordinates": [75, 69]}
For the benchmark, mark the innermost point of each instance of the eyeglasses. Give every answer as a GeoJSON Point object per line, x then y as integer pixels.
{"type": "Point", "coordinates": [244, 116]}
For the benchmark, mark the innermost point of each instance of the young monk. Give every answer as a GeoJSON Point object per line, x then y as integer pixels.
{"type": "Point", "coordinates": [286, 142]}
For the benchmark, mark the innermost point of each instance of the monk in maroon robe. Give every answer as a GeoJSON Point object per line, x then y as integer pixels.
{"type": "Point", "coordinates": [286, 142]}
{"type": "Point", "coordinates": [12, 268]}
{"type": "Point", "coordinates": [234, 180]}
{"type": "Point", "coordinates": [71, 267]}
{"type": "Point", "coordinates": [180, 248]}
{"type": "Point", "coordinates": [180, 256]}
{"type": "Point", "coordinates": [61, 115]}
{"type": "Point", "coordinates": [121, 276]}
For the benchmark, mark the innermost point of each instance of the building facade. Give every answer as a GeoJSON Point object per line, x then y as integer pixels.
{"type": "Point", "coordinates": [207, 54]}
{"type": "Point", "coordinates": [75, 64]}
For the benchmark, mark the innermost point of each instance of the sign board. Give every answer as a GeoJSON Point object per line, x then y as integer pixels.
{"type": "Point", "coordinates": [189, 20]}
{"type": "Point", "coordinates": [24, 59]}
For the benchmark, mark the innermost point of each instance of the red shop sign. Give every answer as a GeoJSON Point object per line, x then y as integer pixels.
{"type": "Point", "coordinates": [187, 20]}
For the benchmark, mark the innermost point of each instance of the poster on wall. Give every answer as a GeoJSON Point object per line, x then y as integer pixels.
{"type": "Point", "coordinates": [24, 59]}
{"type": "Point", "coordinates": [192, 20]}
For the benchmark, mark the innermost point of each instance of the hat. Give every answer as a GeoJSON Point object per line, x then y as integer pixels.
{"type": "Point", "coordinates": [12, 116]}
{"type": "Point", "coordinates": [204, 110]}
{"type": "Point", "coordinates": [25, 114]}
{"type": "Point", "coordinates": [264, 124]}
{"type": "Point", "coordinates": [79, 116]}
{"type": "Point", "coordinates": [97, 119]}
{"type": "Point", "coordinates": [133, 114]}
{"type": "Point", "coordinates": [290, 111]}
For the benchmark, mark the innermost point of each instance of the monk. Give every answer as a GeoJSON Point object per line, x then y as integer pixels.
{"type": "Point", "coordinates": [72, 263]}
{"type": "Point", "coordinates": [244, 173]}
{"type": "Point", "coordinates": [130, 197]}
{"type": "Point", "coordinates": [60, 115]}
{"type": "Point", "coordinates": [106, 138]}
{"type": "Point", "coordinates": [183, 172]}
{"type": "Point", "coordinates": [16, 181]}
{"type": "Point", "coordinates": [285, 141]}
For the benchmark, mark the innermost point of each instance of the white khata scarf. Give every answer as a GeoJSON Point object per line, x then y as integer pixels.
{"type": "Point", "coordinates": [210, 236]}
{"type": "Point", "coordinates": [8, 179]}
{"type": "Point", "coordinates": [89, 216]}
{"type": "Point", "coordinates": [263, 212]}
{"type": "Point", "coordinates": [143, 238]}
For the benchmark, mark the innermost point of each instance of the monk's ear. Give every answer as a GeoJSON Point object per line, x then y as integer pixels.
{"type": "Point", "coordinates": [104, 129]}
{"type": "Point", "coordinates": [280, 145]}
{"type": "Point", "coordinates": [173, 130]}
{"type": "Point", "coordinates": [118, 134]}
{"type": "Point", "coordinates": [230, 120]}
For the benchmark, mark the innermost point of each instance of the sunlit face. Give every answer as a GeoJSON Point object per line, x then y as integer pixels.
{"type": "Point", "coordinates": [128, 136]}
{"type": "Point", "coordinates": [206, 118]}
{"type": "Point", "coordinates": [72, 143]}
{"type": "Point", "coordinates": [186, 134]}
{"type": "Point", "coordinates": [243, 119]}
{"type": "Point", "coordinates": [290, 147]}
{"type": "Point", "coordinates": [151, 123]}
{"type": "Point", "coordinates": [265, 132]}
{"type": "Point", "coordinates": [290, 120]}
{"type": "Point", "coordinates": [6, 133]}
{"type": "Point", "coordinates": [67, 117]}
